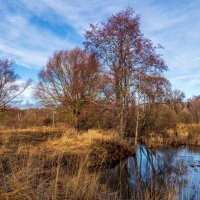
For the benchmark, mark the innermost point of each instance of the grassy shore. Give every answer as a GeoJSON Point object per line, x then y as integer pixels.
{"type": "Point", "coordinates": [51, 163]}
{"type": "Point", "coordinates": [183, 134]}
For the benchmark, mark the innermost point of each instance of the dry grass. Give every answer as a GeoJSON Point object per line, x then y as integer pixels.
{"type": "Point", "coordinates": [184, 134]}
{"type": "Point", "coordinates": [44, 163]}
{"type": "Point", "coordinates": [37, 181]}
{"type": "Point", "coordinates": [30, 135]}
{"type": "Point", "coordinates": [79, 144]}
{"type": "Point", "coordinates": [100, 147]}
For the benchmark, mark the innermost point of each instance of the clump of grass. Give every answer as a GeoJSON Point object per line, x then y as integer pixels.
{"type": "Point", "coordinates": [77, 143]}
{"type": "Point", "coordinates": [194, 134]}
{"type": "Point", "coordinates": [102, 148]}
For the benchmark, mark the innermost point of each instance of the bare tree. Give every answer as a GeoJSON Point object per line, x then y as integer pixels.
{"type": "Point", "coordinates": [9, 88]}
{"type": "Point", "coordinates": [194, 108]}
{"type": "Point", "coordinates": [71, 80]}
{"type": "Point", "coordinates": [175, 99]}
{"type": "Point", "coordinates": [121, 46]}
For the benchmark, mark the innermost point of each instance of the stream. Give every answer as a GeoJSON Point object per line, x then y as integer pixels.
{"type": "Point", "coordinates": [156, 173]}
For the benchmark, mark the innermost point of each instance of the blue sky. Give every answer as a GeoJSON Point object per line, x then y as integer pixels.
{"type": "Point", "coordinates": [31, 30]}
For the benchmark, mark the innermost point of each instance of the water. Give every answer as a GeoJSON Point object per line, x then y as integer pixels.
{"type": "Point", "coordinates": [158, 172]}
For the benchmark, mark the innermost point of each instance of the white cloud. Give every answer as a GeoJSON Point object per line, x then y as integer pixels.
{"type": "Point", "coordinates": [27, 44]}
{"type": "Point", "coordinates": [30, 44]}
{"type": "Point", "coordinates": [174, 24]}
{"type": "Point", "coordinates": [188, 83]}
{"type": "Point", "coordinates": [77, 13]}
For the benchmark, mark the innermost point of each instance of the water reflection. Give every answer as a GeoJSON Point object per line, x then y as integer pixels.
{"type": "Point", "coordinates": [158, 174]}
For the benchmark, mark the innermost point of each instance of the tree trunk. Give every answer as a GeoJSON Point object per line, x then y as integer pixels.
{"type": "Point", "coordinates": [138, 111]}
{"type": "Point", "coordinates": [119, 108]}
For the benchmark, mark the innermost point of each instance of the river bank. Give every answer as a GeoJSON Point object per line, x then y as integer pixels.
{"type": "Point", "coordinates": [100, 147]}
{"type": "Point", "coordinates": [183, 134]}
{"type": "Point", "coordinates": [51, 163]}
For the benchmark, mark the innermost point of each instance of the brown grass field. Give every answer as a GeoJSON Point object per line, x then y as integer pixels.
{"type": "Point", "coordinates": [58, 163]}
{"type": "Point", "coordinates": [51, 163]}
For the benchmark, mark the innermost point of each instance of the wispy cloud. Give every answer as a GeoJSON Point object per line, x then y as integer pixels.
{"type": "Point", "coordinates": [175, 25]}
{"type": "Point", "coordinates": [79, 14]}
{"type": "Point", "coordinates": [30, 31]}
{"type": "Point", "coordinates": [27, 43]}
{"type": "Point", "coordinates": [30, 42]}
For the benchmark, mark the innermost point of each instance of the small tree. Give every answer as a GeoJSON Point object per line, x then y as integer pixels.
{"type": "Point", "coordinates": [194, 108]}
{"type": "Point", "coordinates": [70, 80]}
{"type": "Point", "coordinates": [9, 88]}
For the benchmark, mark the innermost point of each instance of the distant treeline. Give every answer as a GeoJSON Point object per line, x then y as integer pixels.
{"type": "Point", "coordinates": [158, 119]}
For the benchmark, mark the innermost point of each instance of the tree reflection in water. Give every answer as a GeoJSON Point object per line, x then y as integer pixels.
{"type": "Point", "coordinates": [154, 174]}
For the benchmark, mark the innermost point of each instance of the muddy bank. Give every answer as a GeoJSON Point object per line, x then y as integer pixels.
{"type": "Point", "coordinates": [101, 154]}
{"type": "Point", "coordinates": [109, 153]}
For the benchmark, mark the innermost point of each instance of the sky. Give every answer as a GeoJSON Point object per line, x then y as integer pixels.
{"type": "Point", "coordinates": [31, 30]}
